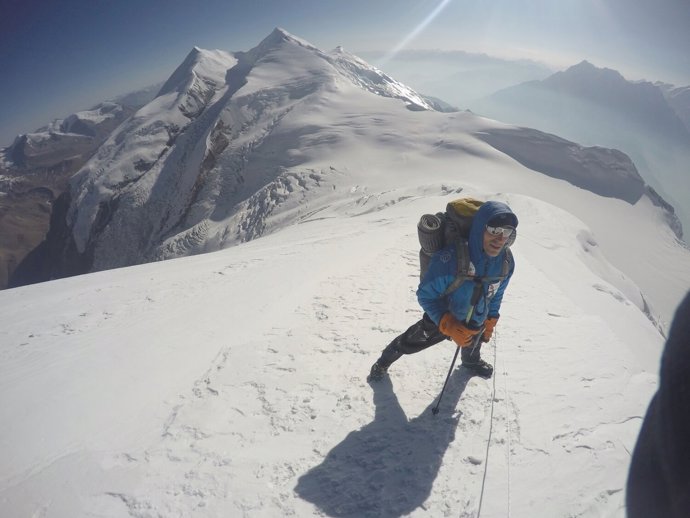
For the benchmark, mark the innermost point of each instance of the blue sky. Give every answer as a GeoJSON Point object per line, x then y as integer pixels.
{"type": "Point", "coordinates": [60, 56]}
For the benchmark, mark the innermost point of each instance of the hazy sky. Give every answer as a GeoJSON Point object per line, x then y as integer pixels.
{"type": "Point", "coordinates": [60, 56]}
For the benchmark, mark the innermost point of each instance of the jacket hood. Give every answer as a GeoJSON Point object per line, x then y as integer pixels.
{"type": "Point", "coordinates": [486, 212]}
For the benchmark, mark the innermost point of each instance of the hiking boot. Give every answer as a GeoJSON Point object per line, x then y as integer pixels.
{"type": "Point", "coordinates": [377, 372]}
{"type": "Point", "coordinates": [480, 368]}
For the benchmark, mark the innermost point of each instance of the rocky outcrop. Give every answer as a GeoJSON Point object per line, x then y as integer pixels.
{"type": "Point", "coordinates": [56, 256]}
{"type": "Point", "coordinates": [35, 169]}
{"type": "Point", "coordinates": [671, 217]}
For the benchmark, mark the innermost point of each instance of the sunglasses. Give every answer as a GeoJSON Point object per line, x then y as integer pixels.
{"type": "Point", "coordinates": [500, 231]}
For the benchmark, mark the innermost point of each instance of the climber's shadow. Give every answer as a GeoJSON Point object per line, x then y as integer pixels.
{"type": "Point", "coordinates": [388, 467]}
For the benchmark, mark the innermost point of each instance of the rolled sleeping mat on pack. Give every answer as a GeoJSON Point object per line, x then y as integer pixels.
{"type": "Point", "coordinates": [430, 233]}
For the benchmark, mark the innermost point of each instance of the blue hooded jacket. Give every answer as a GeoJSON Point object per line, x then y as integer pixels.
{"type": "Point", "coordinates": [444, 268]}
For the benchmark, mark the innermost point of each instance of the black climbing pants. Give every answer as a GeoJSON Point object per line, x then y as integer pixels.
{"type": "Point", "coordinates": [419, 336]}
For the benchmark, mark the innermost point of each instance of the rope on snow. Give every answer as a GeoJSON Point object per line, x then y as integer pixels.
{"type": "Point", "coordinates": [491, 428]}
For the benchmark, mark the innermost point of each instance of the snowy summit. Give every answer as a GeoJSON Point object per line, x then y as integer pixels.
{"type": "Point", "coordinates": [233, 383]}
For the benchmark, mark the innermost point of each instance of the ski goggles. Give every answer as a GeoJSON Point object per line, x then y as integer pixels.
{"type": "Point", "coordinates": [500, 231]}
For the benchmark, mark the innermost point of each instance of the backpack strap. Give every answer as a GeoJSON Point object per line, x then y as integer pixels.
{"type": "Point", "coordinates": [508, 262]}
{"type": "Point", "coordinates": [463, 271]}
{"type": "Point", "coordinates": [462, 249]}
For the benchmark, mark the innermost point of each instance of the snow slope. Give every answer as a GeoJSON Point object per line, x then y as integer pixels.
{"type": "Point", "coordinates": [233, 383]}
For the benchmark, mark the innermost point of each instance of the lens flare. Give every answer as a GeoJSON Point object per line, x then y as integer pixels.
{"type": "Point", "coordinates": [415, 32]}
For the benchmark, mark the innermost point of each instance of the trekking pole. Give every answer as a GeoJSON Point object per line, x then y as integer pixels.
{"type": "Point", "coordinates": [450, 371]}
{"type": "Point", "coordinates": [475, 298]}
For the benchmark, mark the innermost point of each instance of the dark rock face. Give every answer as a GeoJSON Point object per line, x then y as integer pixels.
{"type": "Point", "coordinates": [56, 256]}
{"type": "Point", "coordinates": [26, 202]}
{"type": "Point", "coordinates": [37, 169]}
{"type": "Point", "coordinates": [671, 217]}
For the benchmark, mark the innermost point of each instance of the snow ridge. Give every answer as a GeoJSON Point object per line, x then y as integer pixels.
{"type": "Point", "coordinates": [373, 80]}
{"type": "Point", "coordinates": [269, 412]}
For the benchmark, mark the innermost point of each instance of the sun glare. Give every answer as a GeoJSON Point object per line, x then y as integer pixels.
{"type": "Point", "coordinates": [415, 32]}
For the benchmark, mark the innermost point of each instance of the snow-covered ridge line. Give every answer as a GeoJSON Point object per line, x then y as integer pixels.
{"type": "Point", "coordinates": [373, 79]}
{"type": "Point", "coordinates": [604, 171]}
{"type": "Point", "coordinates": [206, 66]}
{"type": "Point", "coordinates": [64, 139]}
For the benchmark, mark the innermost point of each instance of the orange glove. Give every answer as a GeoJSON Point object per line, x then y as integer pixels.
{"type": "Point", "coordinates": [452, 327]}
{"type": "Point", "coordinates": [489, 328]}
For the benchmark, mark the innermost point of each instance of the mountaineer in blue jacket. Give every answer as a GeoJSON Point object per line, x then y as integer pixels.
{"type": "Point", "coordinates": [473, 307]}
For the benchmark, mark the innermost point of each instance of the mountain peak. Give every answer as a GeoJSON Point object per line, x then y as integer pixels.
{"type": "Point", "coordinates": [639, 101]}
{"type": "Point", "coordinates": [586, 70]}
{"type": "Point", "coordinates": [279, 32]}
{"type": "Point", "coordinates": [199, 62]}
{"type": "Point", "coordinates": [278, 38]}
{"type": "Point", "coordinates": [281, 46]}
{"type": "Point", "coordinates": [584, 65]}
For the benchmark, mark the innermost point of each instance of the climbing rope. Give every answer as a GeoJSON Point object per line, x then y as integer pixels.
{"type": "Point", "coordinates": [505, 379]}
{"type": "Point", "coordinates": [491, 428]}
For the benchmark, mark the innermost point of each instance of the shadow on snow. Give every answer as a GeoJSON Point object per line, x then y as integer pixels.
{"type": "Point", "coordinates": [388, 467]}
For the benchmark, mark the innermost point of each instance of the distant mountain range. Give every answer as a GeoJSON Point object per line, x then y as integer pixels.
{"type": "Point", "coordinates": [71, 139]}
{"type": "Point", "coordinates": [598, 106]}
{"type": "Point", "coordinates": [457, 77]}
{"type": "Point", "coordinates": [235, 142]}
{"type": "Point", "coordinates": [607, 94]}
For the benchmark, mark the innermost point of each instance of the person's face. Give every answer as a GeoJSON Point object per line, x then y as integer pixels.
{"type": "Point", "coordinates": [495, 239]}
